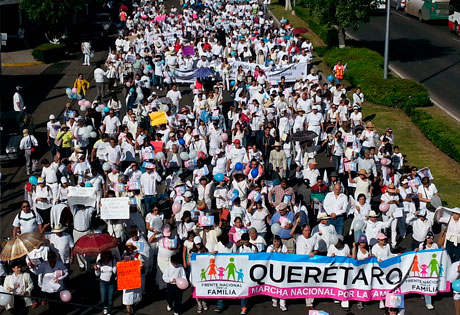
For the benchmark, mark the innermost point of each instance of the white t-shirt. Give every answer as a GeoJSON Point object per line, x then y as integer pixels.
{"type": "Point", "coordinates": [17, 98]}
{"type": "Point", "coordinates": [175, 96]}
{"type": "Point", "coordinates": [345, 251]}
{"type": "Point", "coordinates": [111, 124]}
{"type": "Point", "coordinates": [28, 222]}
{"type": "Point", "coordinates": [258, 220]}
{"type": "Point", "coordinates": [53, 128]}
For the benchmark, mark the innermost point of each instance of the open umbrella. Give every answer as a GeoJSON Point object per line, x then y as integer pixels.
{"type": "Point", "coordinates": [92, 244]}
{"type": "Point", "coordinates": [304, 136]}
{"type": "Point", "coordinates": [299, 30]}
{"type": "Point", "coordinates": [203, 73]}
{"type": "Point", "coordinates": [165, 100]}
{"type": "Point", "coordinates": [21, 246]}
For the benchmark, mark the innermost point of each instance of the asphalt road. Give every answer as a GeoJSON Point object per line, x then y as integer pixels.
{"type": "Point", "coordinates": [425, 52]}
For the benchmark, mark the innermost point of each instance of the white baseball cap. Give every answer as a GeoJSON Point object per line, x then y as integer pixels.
{"type": "Point", "coordinates": [52, 117]}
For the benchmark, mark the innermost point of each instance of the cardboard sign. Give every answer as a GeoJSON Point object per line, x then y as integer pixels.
{"type": "Point", "coordinates": [148, 156]}
{"type": "Point", "coordinates": [134, 185]}
{"type": "Point", "coordinates": [158, 118]}
{"type": "Point", "coordinates": [128, 275]}
{"type": "Point", "coordinates": [169, 242]}
{"type": "Point", "coordinates": [350, 166]}
{"type": "Point", "coordinates": [115, 208]}
{"type": "Point", "coordinates": [81, 196]}
{"type": "Point", "coordinates": [315, 312]}
{"type": "Point", "coordinates": [206, 220]}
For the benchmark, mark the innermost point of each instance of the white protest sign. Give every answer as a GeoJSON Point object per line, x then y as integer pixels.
{"type": "Point", "coordinates": [115, 208]}
{"type": "Point", "coordinates": [82, 196]}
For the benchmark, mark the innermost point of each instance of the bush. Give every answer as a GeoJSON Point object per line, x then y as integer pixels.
{"type": "Point", "coordinates": [365, 69]}
{"type": "Point", "coordinates": [329, 35]}
{"type": "Point", "coordinates": [446, 139]}
{"type": "Point", "coordinates": [49, 52]}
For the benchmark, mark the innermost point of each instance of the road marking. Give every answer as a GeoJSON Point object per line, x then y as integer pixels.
{"type": "Point", "coordinates": [456, 39]}
{"type": "Point", "coordinates": [402, 15]}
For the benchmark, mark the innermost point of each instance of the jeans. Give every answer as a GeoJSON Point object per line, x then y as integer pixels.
{"type": "Point", "coordinates": [337, 159]}
{"type": "Point", "coordinates": [453, 251]}
{"type": "Point", "coordinates": [53, 147]}
{"type": "Point", "coordinates": [107, 291]}
{"type": "Point", "coordinates": [427, 299]}
{"type": "Point", "coordinates": [149, 200]}
{"type": "Point", "coordinates": [338, 224]}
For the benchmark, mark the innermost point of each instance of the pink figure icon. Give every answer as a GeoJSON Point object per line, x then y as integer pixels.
{"type": "Point", "coordinates": [221, 273]}
{"type": "Point", "coordinates": [424, 272]}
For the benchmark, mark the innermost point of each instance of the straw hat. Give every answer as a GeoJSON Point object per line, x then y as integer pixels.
{"type": "Point", "coordinates": [323, 216]}
{"type": "Point", "coordinates": [363, 172]}
{"type": "Point", "coordinates": [277, 144]}
{"type": "Point", "coordinates": [392, 189]}
{"type": "Point", "coordinates": [372, 214]}
{"type": "Point", "coordinates": [58, 228]}
{"type": "Point", "coordinates": [369, 124]}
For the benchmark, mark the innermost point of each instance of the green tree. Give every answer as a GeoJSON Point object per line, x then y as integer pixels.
{"type": "Point", "coordinates": [52, 14]}
{"type": "Point", "coordinates": [341, 13]}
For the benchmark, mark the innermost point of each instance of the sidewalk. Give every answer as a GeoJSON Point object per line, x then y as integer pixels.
{"type": "Point", "coordinates": [21, 62]}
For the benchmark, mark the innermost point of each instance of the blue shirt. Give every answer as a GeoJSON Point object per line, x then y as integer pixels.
{"type": "Point", "coordinates": [283, 233]}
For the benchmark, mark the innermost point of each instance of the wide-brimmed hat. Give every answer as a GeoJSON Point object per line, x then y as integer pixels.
{"type": "Point", "coordinates": [281, 206]}
{"type": "Point", "coordinates": [77, 149]}
{"type": "Point", "coordinates": [369, 124]}
{"type": "Point", "coordinates": [372, 214]}
{"type": "Point", "coordinates": [363, 172]}
{"type": "Point", "coordinates": [392, 189]}
{"type": "Point", "coordinates": [323, 216]}
{"type": "Point", "coordinates": [58, 228]}
{"type": "Point", "coordinates": [277, 144]}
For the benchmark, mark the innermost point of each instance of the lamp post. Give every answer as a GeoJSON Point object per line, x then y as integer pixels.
{"type": "Point", "coordinates": [387, 41]}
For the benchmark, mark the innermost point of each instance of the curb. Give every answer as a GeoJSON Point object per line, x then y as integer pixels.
{"type": "Point", "coordinates": [23, 64]}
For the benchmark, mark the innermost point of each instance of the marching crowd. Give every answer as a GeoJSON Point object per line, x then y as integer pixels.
{"type": "Point", "coordinates": [216, 176]}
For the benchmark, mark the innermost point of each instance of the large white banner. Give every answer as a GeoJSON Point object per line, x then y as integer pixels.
{"type": "Point", "coordinates": [290, 276]}
{"type": "Point", "coordinates": [291, 72]}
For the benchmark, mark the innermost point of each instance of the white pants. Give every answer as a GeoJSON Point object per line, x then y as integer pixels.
{"type": "Point", "coordinates": [317, 130]}
{"type": "Point", "coordinates": [83, 260]}
{"type": "Point", "coordinates": [86, 60]}
{"type": "Point", "coordinates": [309, 302]}
{"type": "Point", "coordinates": [387, 216]}
{"type": "Point", "coordinates": [162, 264]}
{"type": "Point", "coordinates": [282, 302]}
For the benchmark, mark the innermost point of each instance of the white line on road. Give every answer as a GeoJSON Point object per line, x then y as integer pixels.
{"type": "Point", "coordinates": [456, 39]}
{"type": "Point", "coordinates": [435, 102]}
{"type": "Point", "coordinates": [402, 15]}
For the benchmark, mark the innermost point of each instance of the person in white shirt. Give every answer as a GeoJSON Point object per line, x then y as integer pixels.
{"type": "Point", "coordinates": [86, 50]}
{"type": "Point", "coordinates": [149, 182]}
{"type": "Point", "coordinates": [340, 249]}
{"type": "Point", "coordinates": [28, 144]}
{"type": "Point", "coordinates": [61, 242]}
{"type": "Point", "coordinates": [82, 216]}
{"type": "Point", "coordinates": [420, 226]}
{"type": "Point", "coordinates": [323, 232]}
{"type": "Point", "coordinates": [111, 124]}
{"type": "Point", "coordinates": [106, 269]}
{"type": "Point", "coordinates": [99, 75]}
{"type": "Point", "coordinates": [52, 129]}
{"type": "Point", "coordinates": [52, 272]}
{"type": "Point", "coordinates": [335, 204]}
{"type": "Point", "coordinates": [426, 191]}
{"type": "Point", "coordinates": [175, 95]}
{"type": "Point", "coordinates": [27, 220]}
{"type": "Point", "coordinates": [236, 154]}
{"type": "Point", "coordinates": [18, 102]}
{"type": "Point", "coordinates": [382, 251]}
{"type": "Point", "coordinates": [452, 239]}
{"type": "Point", "coordinates": [173, 272]}
{"type": "Point", "coordinates": [113, 153]}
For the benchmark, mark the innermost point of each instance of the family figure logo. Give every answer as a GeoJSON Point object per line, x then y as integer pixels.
{"type": "Point", "coordinates": [215, 273]}
{"type": "Point", "coordinates": [421, 270]}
